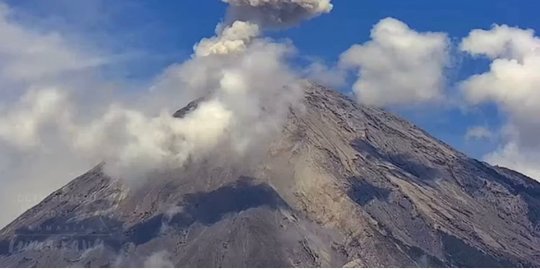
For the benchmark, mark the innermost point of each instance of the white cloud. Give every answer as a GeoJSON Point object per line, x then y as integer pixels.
{"type": "Point", "coordinates": [29, 55]}
{"type": "Point", "coordinates": [500, 41]}
{"type": "Point", "coordinates": [328, 76]}
{"type": "Point", "coordinates": [513, 156]}
{"type": "Point", "coordinates": [36, 68]}
{"type": "Point", "coordinates": [399, 66]}
{"type": "Point", "coordinates": [21, 125]}
{"type": "Point", "coordinates": [479, 133]}
{"type": "Point", "coordinates": [513, 84]}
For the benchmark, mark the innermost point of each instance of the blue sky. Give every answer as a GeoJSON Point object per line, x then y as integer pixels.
{"type": "Point", "coordinates": [163, 32]}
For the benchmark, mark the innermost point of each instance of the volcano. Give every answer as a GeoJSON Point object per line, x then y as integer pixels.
{"type": "Point", "coordinates": [343, 185]}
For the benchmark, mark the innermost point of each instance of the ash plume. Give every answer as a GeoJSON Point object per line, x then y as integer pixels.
{"type": "Point", "coordinates": [233, 38]}
{"type": "Point", "coordinates": [69, 118]}
{"type": "Point", "coordinates": [276, 13]}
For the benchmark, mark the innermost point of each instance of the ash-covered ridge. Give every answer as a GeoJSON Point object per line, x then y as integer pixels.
{"type": "Point", "coordinates": [343, 185]}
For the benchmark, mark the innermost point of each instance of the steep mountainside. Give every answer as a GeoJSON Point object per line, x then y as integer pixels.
{"type": "Point", "coordinates": [343, 185]}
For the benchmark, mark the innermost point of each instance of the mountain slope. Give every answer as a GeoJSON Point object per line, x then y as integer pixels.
{"type": "Point", "coordinates": [343, 185]}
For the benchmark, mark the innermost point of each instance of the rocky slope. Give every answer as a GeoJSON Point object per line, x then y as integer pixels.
{"type": "Point", "coordinates": [343, 185]}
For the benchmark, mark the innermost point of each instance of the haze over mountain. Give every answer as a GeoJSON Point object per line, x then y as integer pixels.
{"type": "Point", "coordinates": [342, 184]}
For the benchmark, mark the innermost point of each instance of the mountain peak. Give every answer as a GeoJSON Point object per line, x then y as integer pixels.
{"type": "Point", "coordinates": [342, 185]}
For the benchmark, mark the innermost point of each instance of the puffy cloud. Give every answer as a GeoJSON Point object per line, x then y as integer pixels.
{"type": "Point", "coordinates": [479, 133]}
{"type": "Point", "coordinates": [513, 84]}
{"type": "Point", "coordinates": [277, 13]}
{"type": "Point", "coordinates": [329, 76]}
{"type": "Point", "coordinates": [500, 41]}
{"type": "Point", "coordinates": [512, 81]}
{"type": "Point", "coordinates": [21, 125]}
{"type": "Point", "coordinates": [399, 65]}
